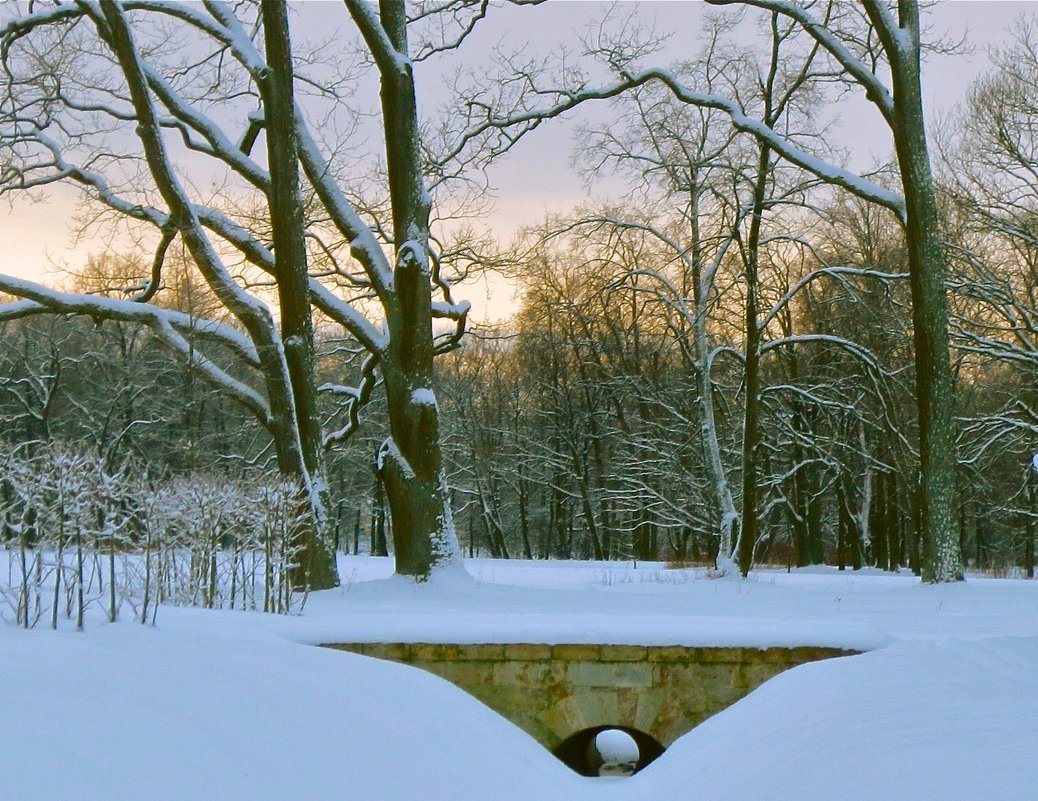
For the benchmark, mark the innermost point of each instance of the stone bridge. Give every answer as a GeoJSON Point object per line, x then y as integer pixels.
{"type": "Point", "coordinates": [562, 695]}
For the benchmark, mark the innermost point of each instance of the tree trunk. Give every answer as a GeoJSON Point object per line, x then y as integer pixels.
{"type": "Point", "coordinates": [315, 568]}
{"type": "Point", "coordinates": [1032, 479]}
{"type": "Point", "coordinates": [728, 517]}
{"type": "Point", "coordinates": [751, 373]}
{"type": "Point", "coordinates": [524, 523]}
{"type": "Point", "coordinates": [378, 520]}
{"type": "Point", "coordinates": [941, 560]}
{"type": "Point", "coordinates": [410, 461]}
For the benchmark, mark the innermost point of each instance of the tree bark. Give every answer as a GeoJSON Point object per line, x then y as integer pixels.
{"type": "Point", "coordinates": [254, 316]}
{"type": "Point", "coordinates": [935, 391]}
{"type": "Point", "coordinates": [751, 372]}
{"type": "Point", "coordinates": [410, 461]}
{"type": "Point", "coordinates": [315, 567]}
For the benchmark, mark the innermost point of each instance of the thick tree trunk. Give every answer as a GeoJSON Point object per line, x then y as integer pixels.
{"type": "Point", "coordinates": [316, 562]}
{"type": "Point", "coordinates": [935, 391]}
{"type": "Point", "coordinates": [409, 461]}
{"type": "Point", "coordinates": [253, 315]}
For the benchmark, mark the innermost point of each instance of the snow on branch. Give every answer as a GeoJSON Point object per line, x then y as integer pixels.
{"type": "Point", "coordinates": [390, 61]}
{"type": "Point", "coordinates": [829, 173]}
{"type": "Point", "coordinates": [260, 255]}
{"type": "Point", "coordinates": [364, 246]}
{"type": "Point", "coordinates": [875, 91]}
{"type": "Point", "coordinates": [525, 121]}
{"type": "Point", "coordinates": [169, 326]}
{"type": "Point", "coordinates": [38, 299]}
{"type": "Point", "coordinates": [219, 146]}
{"type": "Point", "coordinates": [355, 398]}
{"type": "Point", "coordinates": [837, 272]}
{"type": "Point", "coordinates": [389, 455]}
{"type": "Point", "coordinates": [860, 351]}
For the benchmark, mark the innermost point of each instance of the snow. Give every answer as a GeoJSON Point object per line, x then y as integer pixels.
{"type": "Point", "coordinates": [598, 602]}
{"type": "Point", "coordinates": [423, 396]}
{"type": "Point", "coordinates": [615, 745]}
{"type": "Point", "coordinates": [183, 711]}
{"type": "Point", "coordinates": [234, 705]}
{"type": "Point", "coordinates": [389, 450]}
{"type": "Point", "coordinates": [918, 721]}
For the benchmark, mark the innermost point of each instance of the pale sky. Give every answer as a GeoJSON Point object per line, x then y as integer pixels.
{"type": "Point", "coordinates": [537, 179]}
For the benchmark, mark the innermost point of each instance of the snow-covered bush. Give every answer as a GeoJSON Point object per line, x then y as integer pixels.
{"type": "Point", "coordinates": [63, 512]}
{"type": "Point", "coordinates": [219, 543]}
{"type": "Point", "coordinates": [79, 533]}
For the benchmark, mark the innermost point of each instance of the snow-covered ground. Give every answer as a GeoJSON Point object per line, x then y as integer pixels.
{"type": "Point", "coordinates": [233, 705]}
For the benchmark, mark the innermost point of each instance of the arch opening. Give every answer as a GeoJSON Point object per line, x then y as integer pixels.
{"type": "Point", "coordinates": [588, 754]}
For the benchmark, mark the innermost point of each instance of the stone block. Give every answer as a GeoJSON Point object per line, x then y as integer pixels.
{"type": "Point", "coordinates": [624, 653]}
{"type": "Point", "coordinates": [538, 676]}
{"type": "Point", "coordinates": [466, 674]}
{"type": "Point", "coordinates": [728, 655]}
{"type": "Point", "coordinates": [511, 673]}
{"type": "Point", "coordinates": [507, 701]}
{"type": "Point", "coordinates": [759, 673]}
{"type": "Point", "coordinates": [604, 674]}
{"type": "Point", "coordinates": [627, 703]}
{"type": "Point", "coordinates": [582, 711]}
{"type": "Point", "coordinates": [646, 710]}
{"type": "Point", "coordinates": [481, 652]}
{"type": "Point", "coordinates": [394, 651]}
{"type": "Point", "coordinates": [565, 717]}
{"type": "Point", "coordinates": [527, 652]}
{"type": "Point", "coordinates": [668, 674]}
{"type": "Point", "coordinates": [721, 674]}
{"type": "Point", "coordinates": [669, 723]}
{"type": "Point", "coordinates": [577, 653]}
{"type": "Point", "coordinates": [721, 696]}
{"type": "Point", "coordinates": [433, 652]}
{"type": "Point", "coordinates": [670, 653]}
{"type": "Point", "coordinates": [673, 675]}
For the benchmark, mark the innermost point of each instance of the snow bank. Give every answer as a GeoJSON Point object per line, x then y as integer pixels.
{"type": "Point", "coordinates": [223, 706]}
{"type": "Point", "coordinates": [130, 713]}
{"type": "Point", "coordinates": [919, 722]}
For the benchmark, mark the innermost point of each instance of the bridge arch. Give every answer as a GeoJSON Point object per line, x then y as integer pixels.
{"type": "Point", "coordinates": [576, 749]}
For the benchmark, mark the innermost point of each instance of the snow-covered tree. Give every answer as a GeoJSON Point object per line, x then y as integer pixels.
{"type": "Point", "coordinates": [103, 96]}
{"type": "Point", "coordinates": [875, 46]}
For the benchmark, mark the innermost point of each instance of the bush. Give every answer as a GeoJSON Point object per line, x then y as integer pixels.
{"type": "Point", "coordinates": [80, 533]}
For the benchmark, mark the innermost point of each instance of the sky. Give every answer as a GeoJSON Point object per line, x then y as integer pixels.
{"type": "Point", "coordinates": [537, 178]}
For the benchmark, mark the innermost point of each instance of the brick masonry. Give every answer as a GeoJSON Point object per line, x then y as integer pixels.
{"type": "Point", "coordinates": [554, 691]}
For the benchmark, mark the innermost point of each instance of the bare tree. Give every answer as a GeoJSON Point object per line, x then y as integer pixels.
{"type": "Point", "coordinates": [863, 44]}
{"type": "Point", "coordinates": [92, 86]}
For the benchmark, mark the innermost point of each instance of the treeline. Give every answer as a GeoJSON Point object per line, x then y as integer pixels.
{"type": "Point", "coordinates": [578, 430]}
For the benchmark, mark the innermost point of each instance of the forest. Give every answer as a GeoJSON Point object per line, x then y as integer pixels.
{"type": "Point", "coordinates": [752, 353]}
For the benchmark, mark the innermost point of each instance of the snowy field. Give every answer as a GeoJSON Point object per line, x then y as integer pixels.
{"type": "Point", "coordinates": [221, 706]}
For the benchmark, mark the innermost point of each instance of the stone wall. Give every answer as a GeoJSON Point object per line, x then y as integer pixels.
{"type": "Point", "coordinates": [553, 691]}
